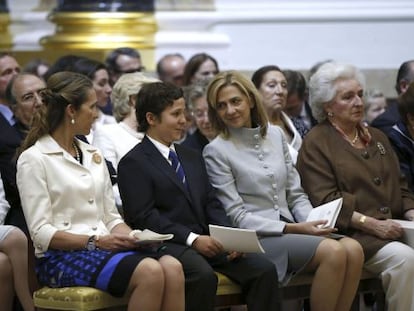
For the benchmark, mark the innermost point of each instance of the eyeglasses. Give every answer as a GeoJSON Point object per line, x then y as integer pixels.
{"type": "Point", "coordinates": [199, 114]}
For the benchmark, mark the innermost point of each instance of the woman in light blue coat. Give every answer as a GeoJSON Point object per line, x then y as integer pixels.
{"type": "Point", "coordinates": [250, 166]}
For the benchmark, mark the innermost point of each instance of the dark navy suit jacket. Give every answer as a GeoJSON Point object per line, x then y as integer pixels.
{"type": "Point", "coordinates": [403, 145]}
{"type": "Point", "coordinates": [153, 197]}
{"type": "Point", "coordinates": [10, 141]}
{"type": "Point", "coordinates": [196, 141]}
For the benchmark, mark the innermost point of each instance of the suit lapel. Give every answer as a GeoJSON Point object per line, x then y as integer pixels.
{"type": "Point", "coordinates": [156, 158]}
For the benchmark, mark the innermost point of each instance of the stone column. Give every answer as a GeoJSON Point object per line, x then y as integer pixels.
{"type": "Point", "coordinates": [6, 41]}
{"type": "Point", "coordinates": [102, 25]}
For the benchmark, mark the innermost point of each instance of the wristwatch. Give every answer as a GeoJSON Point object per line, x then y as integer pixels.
{"type": "Point", "coordinates": [91, 244]}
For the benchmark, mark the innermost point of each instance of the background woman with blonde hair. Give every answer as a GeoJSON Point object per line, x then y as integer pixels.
{"type": "Point", "coordinates": [115, 140]}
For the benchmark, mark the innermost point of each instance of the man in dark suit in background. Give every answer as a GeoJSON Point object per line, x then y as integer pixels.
{"type": "Point", "coordinates": [11, 136]}
{"type": "Point", "coordinates": [297, 106]}
{"type": "Point", "coordinates": [10, 139]}
{"type": "Point", "coordinates": [175, 196]}
{"type": "Point", "coordinates": [391, 115]}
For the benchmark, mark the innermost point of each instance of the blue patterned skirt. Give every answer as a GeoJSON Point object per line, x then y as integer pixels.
{"type": "Point", "coordinates": [105, 270]}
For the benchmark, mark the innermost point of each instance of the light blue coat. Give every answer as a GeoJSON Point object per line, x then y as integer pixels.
{"type": "Point", "coordinates": [256, 180]}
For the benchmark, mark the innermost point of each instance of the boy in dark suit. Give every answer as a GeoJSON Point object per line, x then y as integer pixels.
{"type": "Point", "coordinates": [165, 187]}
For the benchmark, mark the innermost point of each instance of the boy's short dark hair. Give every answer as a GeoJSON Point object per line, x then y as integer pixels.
{"type": "Point", "coordinates": [154, 98]}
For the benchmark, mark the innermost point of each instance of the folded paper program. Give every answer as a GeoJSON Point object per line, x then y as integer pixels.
{"type": "Point", "coordinates": [148, 236]}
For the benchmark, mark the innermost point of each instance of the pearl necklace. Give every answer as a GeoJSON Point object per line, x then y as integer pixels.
{"type": "Point", "coordinates": [77, 153]}
{"type": "Point", "coordinates": [355, 140]}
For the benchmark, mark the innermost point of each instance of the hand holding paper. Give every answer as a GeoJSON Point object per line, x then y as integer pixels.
{"type": "Point", "coordinates": [148, 237]}
{"type": "Point", "coordinates": [328, 211]}
{"type": "Point", "coordinates": [235, 239]}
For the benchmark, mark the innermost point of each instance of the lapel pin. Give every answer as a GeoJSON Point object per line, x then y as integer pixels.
{"type": "Point", "coordinates": [381, 148]}
{"type": "Point", "coordinates": [96, 158]}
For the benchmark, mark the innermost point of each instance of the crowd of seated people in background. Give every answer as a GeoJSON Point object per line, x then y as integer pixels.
{"type": "Point", "coordinates": [115, 140]}
{"type": "Point", "coordinates": [307, 113]}
{"type": "Point", "coordinates": [375, 104]}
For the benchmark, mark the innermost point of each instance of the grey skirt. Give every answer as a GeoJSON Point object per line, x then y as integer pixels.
{"type": "Point", "coordinates": [290, 253]}
{"type": "Point", "coordinates": [4, 231]}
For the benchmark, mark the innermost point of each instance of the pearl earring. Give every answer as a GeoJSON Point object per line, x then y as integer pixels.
{"type": "Point", "coordinates": [330, 114]}
{"type": "Point", "coordinates": [72, 121]}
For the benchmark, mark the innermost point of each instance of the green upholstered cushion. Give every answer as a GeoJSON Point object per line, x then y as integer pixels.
{"type": "Point", "coordinates": [75, 298]}
{"type": "Point", "coordinates": [226, 286]}
{"type": "Point", "coordinates": [87, 298]}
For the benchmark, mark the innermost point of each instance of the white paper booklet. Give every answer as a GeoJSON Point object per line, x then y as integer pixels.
{"type": "Point", "coordinates": [236, 239]}
{"type": "Point", "coordinates": [147, 236]}
{"type": "Point", "coordinates": [408, 236]}
{"type": "Point", "coordinates": [328, 211]}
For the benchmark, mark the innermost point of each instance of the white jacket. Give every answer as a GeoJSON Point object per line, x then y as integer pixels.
{"type": "Point", "coordinates": [58, 193]}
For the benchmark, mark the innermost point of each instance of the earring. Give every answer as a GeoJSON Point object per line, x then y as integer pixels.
{"type": "Point", "coordinates": [330, 114]}
{"type": "Point", "coordinates": [72, 121]}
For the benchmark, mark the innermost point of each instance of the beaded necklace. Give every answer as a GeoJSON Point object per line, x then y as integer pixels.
{"type": "Point", "coordinates": [356, 138]}
{"type": "Point", "coordinates": [77, 153]}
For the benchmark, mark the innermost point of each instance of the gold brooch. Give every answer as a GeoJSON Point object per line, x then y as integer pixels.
{"type": "Point", "coordinates": [96, 158]}
{"type": "Point", "coordinates": [381, 148]}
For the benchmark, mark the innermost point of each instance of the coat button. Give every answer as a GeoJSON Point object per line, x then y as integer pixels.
{"type": "Point", "coordinates": [384, 209]}
{"type": "Point", "coordinates": [256, 136]}
{"type": "Point", "coordinates": [90, 201]}
{"type": "Point", "coordinates": [377, 181]}
{"type": "Point", "coordinates": [66, 223]}
{"type": "Point", "coordinates": [256, 146]}
{"type": "Point", "coordinates": [261, 157]}
{"type": "Point", "coordinates": [365, 155]}
{"type": "Point", "coordinates": [274, 186]}
{"type": "Point", "coordinates": [94, 228]}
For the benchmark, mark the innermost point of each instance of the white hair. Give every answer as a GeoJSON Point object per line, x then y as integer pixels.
{"type": "Point", "coordinates": [322, 85]}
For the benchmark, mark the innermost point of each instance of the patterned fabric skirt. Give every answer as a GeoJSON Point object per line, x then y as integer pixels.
{"type": "Point", "coordinates": [105, 270]}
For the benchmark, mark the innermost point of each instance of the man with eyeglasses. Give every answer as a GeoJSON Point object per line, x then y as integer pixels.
{"type": "Point", "coordinates": [9, 67]}
{"type": "Point", "coordinates": [22, 96]}
{"type": "Point", "coordinates": [10, 138]}
{"type": "Point", "coordinates": [123, 60]}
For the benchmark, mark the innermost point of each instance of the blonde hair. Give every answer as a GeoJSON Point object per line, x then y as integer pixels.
{"type": "Point", "coordinates": [233, 78]}
{"type": "Point", "coordinates": [127, 85]}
